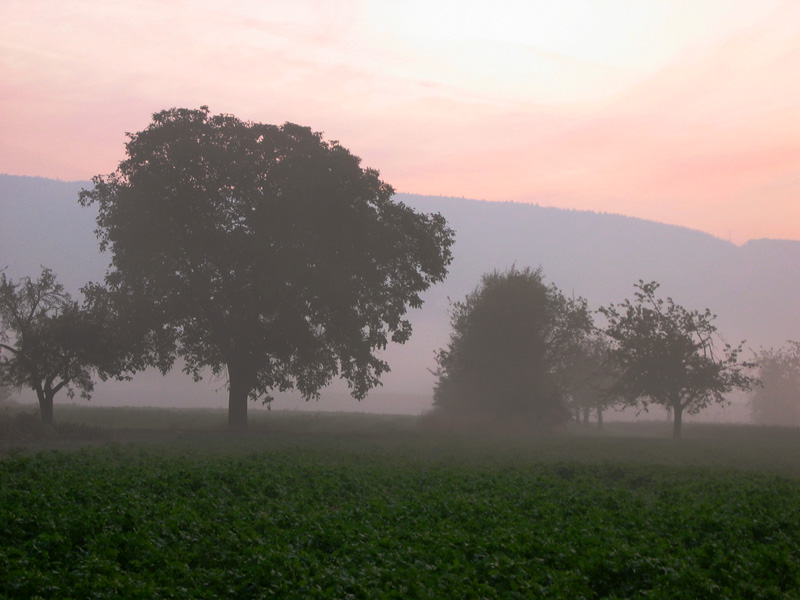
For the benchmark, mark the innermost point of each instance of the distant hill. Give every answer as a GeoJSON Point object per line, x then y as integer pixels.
{"type": "Point", "coordinates": [755, 288]}
{"type": "Point", "coordinates": [41, 223]}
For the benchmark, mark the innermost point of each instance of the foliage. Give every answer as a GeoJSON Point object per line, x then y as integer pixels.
{"type": "Point", "coordinates": [360, 519]}
{"type": "Point", "coordinates": [777, 400]}
{"type": "Point", "coordinates": [511, 338]}
{"type": "Point", "coordinates": [263, 252]}
{"type": "Point", "coordinates": [47, 342]}
{"type": "Point", "coordinates": [665, 354]}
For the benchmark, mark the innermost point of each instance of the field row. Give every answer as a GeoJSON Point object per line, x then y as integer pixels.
{"type": "Point", "coordinates": [368, 520]}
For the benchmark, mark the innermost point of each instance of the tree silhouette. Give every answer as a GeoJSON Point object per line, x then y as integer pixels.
{"type": "Point", "coordinates": [589, 378]}
{"type": "Point", "coordinates": [263, 252]}
{"type": "Point", "coordinates": [777, 400]}
{"type": "Point", "coordinates": [665, 354]}
{"type": "Point", "coordinates": [511, 337]}
{"type": "Point", "coordinates": [47, 343]}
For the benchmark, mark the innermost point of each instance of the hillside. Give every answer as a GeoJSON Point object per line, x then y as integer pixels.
{"type": "Point", "coordinates": [755, 288]}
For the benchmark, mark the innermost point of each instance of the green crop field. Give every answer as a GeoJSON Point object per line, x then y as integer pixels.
{"type": "Point", "coordinates": [118, 503]}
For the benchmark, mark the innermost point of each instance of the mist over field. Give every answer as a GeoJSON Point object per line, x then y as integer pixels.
{"type": "Point", "coordinates": [754, 289]}
{"type": "Point", "coordinates": [599, 391]}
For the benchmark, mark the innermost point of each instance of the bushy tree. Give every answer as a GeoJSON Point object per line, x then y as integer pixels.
{"type": "Point", "coordinates": [511, 338]}
{"type": "Point", "coordinates": [777, 400]}
{"type": "Point", "coordinates": [264, 253]}
{"type": "Point", "coordinates": [47, 342]}
{"type": "Point", "coordinates": [666, 354]}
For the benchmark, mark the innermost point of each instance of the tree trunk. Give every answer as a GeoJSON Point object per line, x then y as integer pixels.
{"type": "Point", "coordinates": [239, 384]}
{"type": "Point", "coordinates": [600, 419]}
{"type": "Point", "coordinates": [45, 407]}
{"type": "Point", "coordinates": [677, 421]}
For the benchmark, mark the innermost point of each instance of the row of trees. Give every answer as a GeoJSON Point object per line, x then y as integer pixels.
{"type": "Point", "coordinates": [270, 257]}
{"type": "Point", "coordinates": [263, 253]}
{"type": "Point", "coordinates": [519, 349]}
{"type": "Point", "coordinates": [523, 350]}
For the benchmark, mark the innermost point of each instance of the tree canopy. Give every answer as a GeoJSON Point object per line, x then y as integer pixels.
{"type": "Point", "coordinates": [667, 354]}
{"type": "Point", "coordinates": [47, 342]}
{"type": "Point", "coordinates": [511, 337]}
{"type": "Point", "coordinates": [263, 252]}
{"type": "Point", "coordinates": [777, 400]}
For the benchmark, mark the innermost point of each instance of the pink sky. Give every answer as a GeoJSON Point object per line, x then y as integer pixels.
{"type": "Point", "coordinates": [683, 112]}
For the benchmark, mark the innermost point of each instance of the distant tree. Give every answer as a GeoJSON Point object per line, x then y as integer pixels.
{"type": "Point", "coordinates": [47, 343]}
{"type": "Point", "coordinates": [5, 393]}
{"type": "Point", "coordinates": [589, 378]}
{"type": "Point", "coordinates": [665, 354]}
{"type": "Point", "coordinates": [264, 253]}
{"type": "Point", "coordinates": [511, 338]}
{"type": "Point", "coordinates": [777, 400]}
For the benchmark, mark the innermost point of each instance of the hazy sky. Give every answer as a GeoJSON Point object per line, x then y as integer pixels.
{"type": "Point", "coordinates": [681, 112]}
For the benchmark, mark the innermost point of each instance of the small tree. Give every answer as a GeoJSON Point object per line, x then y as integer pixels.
{"type": "Point", "coordinates": [777, 400]}
{"type": "Point", "coordinates": [5, 393]}
{"type": "Point", "coordinates": [264, 253]}
{"type": "Point", "coordinates": [665, 354]}
{"type": "Point", "coordinates": [589, 378]}
{"type": "Point", "coordinates": [511, 338]}
{"type": "Point", "coordinates": [47, 342]}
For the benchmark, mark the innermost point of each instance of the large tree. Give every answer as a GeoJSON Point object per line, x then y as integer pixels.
{"type": "Point", "coordinates": [47, 342]}
{"type": "Point", "coordinates": [666, 354]}
{"type": "Point", "coordinates": [512, 337]}
{"type": "Point", "coordinates": [777, 400]}
{"type": "Point", "coordinates": [263, 252]}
